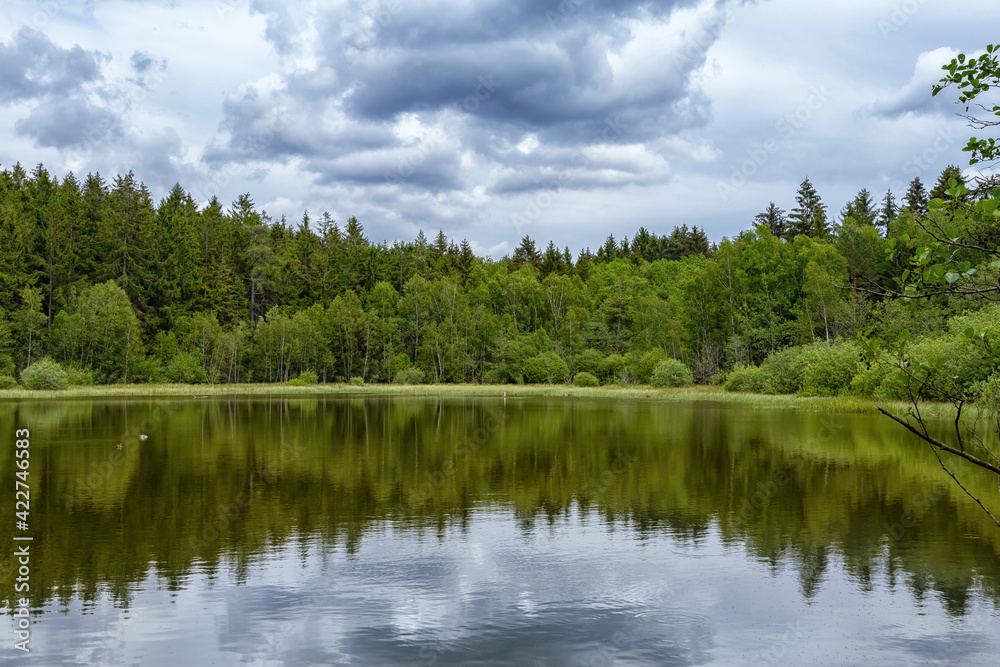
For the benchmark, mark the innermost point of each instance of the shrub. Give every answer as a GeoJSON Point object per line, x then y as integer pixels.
{"type": "Point", "coordinates": [400, 362]}
{"type": "Point", "coordinates": [647, 364]}
{"type": "Point", "coordinates": [7, 382]}
{"type": "Point", "coordinates": [829, 369]}
{"type": "Point", "coordinates": [357, 381]}
{"type": "Point", "coordinates": [492, 376]}
{"type": "Point", "coordinates": [589, 361]}
{"type": "Point", "coordinates": [44, 374]}
{"type": "Point", "coordinates": [986, 394]}
{"type": "Point", "coordinates": [304, 379]}
{"type": "Point", "coordinates": [585, 379]}
{"type": "Point", "coordinates": [78, 377]}
{"type": "Point", "coordinates": [613, 368]}
{"type": "Point", "coordinates": [719, 378]}
{"type": "Point", "coordinates": [748, 378]}
{"type": "Point", "coordinates": [148, 370]}
{"type": "Point", "coordinates": [409, 376]}
{"type": "Point", "coordinates": [784, 370]}
{"type": "Point", "coordinates": [545, 368]}
{"type": "Point", "coordinates": [185, 368]}
{"type": "Point", "coordinates": [672, 373]}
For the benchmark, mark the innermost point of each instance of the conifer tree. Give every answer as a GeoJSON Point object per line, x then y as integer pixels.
{"type": "Point", "coordinates": [916, 198]}
{"type": "Point", "coordinates": [887, 213]}
{"type": "Point", "coordinates": [775, 220]}
{"type": "Point", "coordinates": [862, 208]}
{"type": "Point", "coordinates": [809, 216]}
{"type": "Point", "coordinates": [940, 189]}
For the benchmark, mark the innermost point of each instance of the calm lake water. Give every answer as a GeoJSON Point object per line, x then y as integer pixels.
{"type": "Point", "coordinates": [536, 532]}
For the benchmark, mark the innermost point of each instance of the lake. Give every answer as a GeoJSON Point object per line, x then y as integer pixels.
{"type": "Point", "coordinates": [532, 531]}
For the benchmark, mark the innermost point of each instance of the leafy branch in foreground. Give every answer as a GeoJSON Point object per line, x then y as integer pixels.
{"type": "Point", "coordinates": [973, 77]}
{"type": "Point", "coordinates": [956, 257]}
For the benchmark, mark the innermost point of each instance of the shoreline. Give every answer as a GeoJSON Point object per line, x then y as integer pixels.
{"type": "Point", "coordinates": [850, 404]}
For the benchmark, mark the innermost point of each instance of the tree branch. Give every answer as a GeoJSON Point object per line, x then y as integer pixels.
{"type": "Point", "coordinates": [940, 445]}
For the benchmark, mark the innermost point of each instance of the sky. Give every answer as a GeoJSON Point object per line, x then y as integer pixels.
{"type": "Point", "coordinates": [492, 119]}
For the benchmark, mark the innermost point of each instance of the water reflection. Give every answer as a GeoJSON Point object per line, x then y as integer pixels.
{"type": "Point", "coordinates": [534, 532]}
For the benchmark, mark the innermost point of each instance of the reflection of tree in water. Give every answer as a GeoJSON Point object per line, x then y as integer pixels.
{"type": "Point", "coordinates": [335, 469]}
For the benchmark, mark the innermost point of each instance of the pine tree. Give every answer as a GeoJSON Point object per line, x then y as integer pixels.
{"type": "Point", "coordinates": [862, 208]}
{"type": "Point", "coordinates": [697, 242]}
{"type": "Point", "coordinates": [809, 216]}
{"type": "Point", "coordinates": [940, 189]}
{"type": "Point", "coordinates": [775, 220]}
{"type": "Point", "coordinates": [916, 198]}
{"type": "Point", "coordinates": [887, 213]}
{"type": "Point", "coordinates": [552, 260]}
{"type": "Point", "coordinates": [525, 253]}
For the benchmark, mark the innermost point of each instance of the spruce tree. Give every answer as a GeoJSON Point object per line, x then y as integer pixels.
{"type": "Point", "coordinates": [916, 198]}
{"type": "Point", "coordinates": [940, 189]}
{"type": "Point", "coordinates": [809, 216]}
{"type": "Point", "coordinates": [862, 208]}
{"type": "Point", "coordinates": [775, 220]}
{"type": "Point", "coordinates": [525, 253]}
{"type": "Point", "coordinates": [887, 213]}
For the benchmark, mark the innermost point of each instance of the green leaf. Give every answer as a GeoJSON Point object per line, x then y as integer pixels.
{"type": "Point", "coordinates": [954, 234]}
{"type": "Point", "coordinates": [952, 278]}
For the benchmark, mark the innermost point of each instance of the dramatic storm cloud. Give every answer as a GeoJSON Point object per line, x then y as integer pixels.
{"type": "Point", "coordinates": [491, 120]}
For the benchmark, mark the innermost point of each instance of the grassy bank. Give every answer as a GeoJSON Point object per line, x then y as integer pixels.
{"type": "Point", "coordinates": [826, 404]}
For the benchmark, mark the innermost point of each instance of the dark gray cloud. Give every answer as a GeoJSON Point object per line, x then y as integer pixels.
{"type": "Point", "coordinates": [31, 66]}
{"type": "Point", "coordinates": [70, 122]}
{"type": "Point", "coordinates": [141, 61]}
{"type": "Point", "coordinates": [492, 74]}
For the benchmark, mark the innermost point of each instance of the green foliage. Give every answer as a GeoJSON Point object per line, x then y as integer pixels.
{"type": "Point", "coordinates": [546, 368]}
{"type": "Point", "coordinates": [357, 381]}
{"type": "Point", "coordinates": [986, 394]}
{"type": "Point", "coordinates": [613, 369]}
{"type": "Point", "coordinates": [79, 377]}
{"type": "Point", "coordinates": [829, 369]}
{"type": "Point", "coordinates": [7, 382]}
{"type": "Point", "coordinates": [973, 77]}
{"type": "Point", "coordinates": [784, 370]}
{"type": "Point", "coordinates": [748, 379]}
{"type": "Point", "coordinates": [185, 368]}
{"type": "Point", "coordinates": [44, 374]}
{"type": "Point", "coordinates": [585, 379]}
{"type": "Point", "coordinates": [410, 376]}
{"type": "Point", "coordinates": [671, 373]}
{"type": "Point", "coordinates": [305, 379]}
{"type": "Point", "coordinates": [642, 367]}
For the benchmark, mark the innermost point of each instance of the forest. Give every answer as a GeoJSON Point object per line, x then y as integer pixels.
{"type": "Point", "coordinates": [99, 284]}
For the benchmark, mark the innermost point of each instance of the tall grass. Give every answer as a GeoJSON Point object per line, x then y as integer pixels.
{"type": "Point", "coordinates": [637, 392]}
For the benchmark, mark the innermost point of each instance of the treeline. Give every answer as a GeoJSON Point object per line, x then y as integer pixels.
{"type": "Point", "coordinates": [114, 287]}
